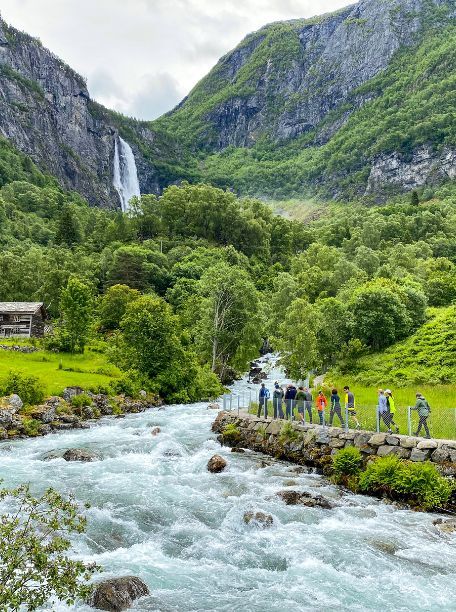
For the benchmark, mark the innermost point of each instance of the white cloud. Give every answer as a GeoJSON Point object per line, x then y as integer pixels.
{"type": "Point", "coordinates": [142, 56]}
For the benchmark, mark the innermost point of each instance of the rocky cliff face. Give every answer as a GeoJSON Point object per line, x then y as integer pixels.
{"type": "Point", "coordinates": [285, 79]}
{"type": "Point", "coordinates": [46, 111]}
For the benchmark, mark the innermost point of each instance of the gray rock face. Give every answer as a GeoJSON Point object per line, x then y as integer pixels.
{"type": "Point", "coordinates": [46, 111]}
{"type": "Point", "coordinates": [14, 402]}
{"type": "Point", "coordinates": [118, 593]}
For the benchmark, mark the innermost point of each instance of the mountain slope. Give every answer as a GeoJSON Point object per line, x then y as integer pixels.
{"type": "Point", "coordinates": [291, 88]}
{"type": "Point", "coordinates": [355, 103]}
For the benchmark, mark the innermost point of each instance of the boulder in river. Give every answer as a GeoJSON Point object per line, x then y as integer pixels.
{"type": "Point", "coordinates": [216, 464]}
{"type": "Point", "coordinates": [446, 526]}
{"type": "Point", "coordinates": [155, 431]}
{"type": "Point", "coordinates": [80, 454]}
{"type": "Point", "coordinates": [213, 406]}
{"type": "Point", "coordinates": [118, 594]}
{"type": "Point", "coordinates": [295, 498]}
{"type": "Point", "coordinates": [261, 519]}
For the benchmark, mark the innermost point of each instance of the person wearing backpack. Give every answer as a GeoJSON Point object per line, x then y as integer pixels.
{"type": "Point", "coordinates": [308, 403]}
{"type": "Point", "coordinates": [424, 410]}
{"type": "Point", "coordinates": [263, 401]}
{"type": "Point", "coordinates": [300, 403]}
{"type": "Point", "coordinates": [335, 408]}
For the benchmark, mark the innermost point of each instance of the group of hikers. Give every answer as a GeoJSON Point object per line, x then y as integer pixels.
{"type": "Point", "coordinates": [301, 399]}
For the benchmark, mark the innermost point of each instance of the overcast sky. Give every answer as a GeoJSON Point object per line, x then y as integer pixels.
{"type": "Point", "coordinates": [141, 57]}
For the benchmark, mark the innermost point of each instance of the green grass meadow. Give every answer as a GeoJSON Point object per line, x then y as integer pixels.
{"type": "Point", "coordinates": [91, 371]}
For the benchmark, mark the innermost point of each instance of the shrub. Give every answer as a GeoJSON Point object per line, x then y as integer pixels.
{"type": "Point", "coordinates": [79, 401]}
{"type": "Point", "coordinates": [29, 388]}
{"type": "Point", "coordinates": [420, 482]}
{"type": "Point", "coordinates": [347, 462]}
{"type": "Point", "coordinates": [231, 434]}
{"type": "Point", "coordinates": [288, 434]}
{"type": "Point", "coordinates": [130, 383]}
{"type": "Point", "coordinates": [32, 427]}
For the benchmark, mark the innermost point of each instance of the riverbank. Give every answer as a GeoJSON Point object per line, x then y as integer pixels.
{"type": "Point", "coordinates": [315, 445]}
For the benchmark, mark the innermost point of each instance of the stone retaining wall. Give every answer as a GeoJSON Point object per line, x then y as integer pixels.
{"type": "Point", "coordinates": [315, 444]}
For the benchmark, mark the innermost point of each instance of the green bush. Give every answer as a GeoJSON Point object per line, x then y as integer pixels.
{"type": "Point", "coordinates": [32, 427]}
{"type": "Point", "coordinates": [288, 434]}
{"type": "Point", "coordinates": [347, 462]}
{"type": "Point", "coordinates": [414, 481]}
{"type": "Point", "coordinates": [29, 388]}
{"type": "Point", "coordinates": [79, 401]}
{"type": "Point", "coordinates": [130, 383]}
{"type": "Point", "coordinates": [231, 434]}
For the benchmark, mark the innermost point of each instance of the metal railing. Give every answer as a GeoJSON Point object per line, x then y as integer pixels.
{"type": "Point", "coordinates": [440, 423]}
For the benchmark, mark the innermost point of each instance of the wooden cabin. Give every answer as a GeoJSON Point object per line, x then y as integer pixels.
{"type": "Point", "coordinates": [22, 319]}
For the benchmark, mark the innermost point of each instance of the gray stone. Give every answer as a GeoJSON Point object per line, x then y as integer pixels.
{"type": "Point", "coordinates": [385, 450]}
{"type": "Point", "coordinates": [322, 437]}
{"type": "Point", "coordinates": [70, 392]}
{"type": "Point", "coordinates": [155, 431]}
{"type": "Point", "coordinates": [419, 455]}
{"type": "Point", "coordinates": [14, 402]}
{"type": "Point", "coordinates": [118, 594]}
{"type": "Point", "coordinates": [427, 444]}
{"type": "Point", "coordinates": [274, 427]}
{"type": "Point", "coordinates": [377, 439]}
{"type": "Point", "coordinates": [294, 498]}
{"type": "Point", "coordinates": [336, 443]}
{"type": "Point", "coordinates": [361, 439]}
{"type": "Point", "coordinates": [408, 442]}
{"type": "Point", "coordinates": [392, 440]}
{"type": "Point", "coordinates": [440, 455]}
{"type": "Point", "coordinates": [348, 435]}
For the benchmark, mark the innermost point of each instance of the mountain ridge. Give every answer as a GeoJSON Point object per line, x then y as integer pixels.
{"type": "Point", "coordinates": [265, 120]}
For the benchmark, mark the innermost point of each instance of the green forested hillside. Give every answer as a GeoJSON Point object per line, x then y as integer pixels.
{"type": "Point", "coordinates": [193, 280]}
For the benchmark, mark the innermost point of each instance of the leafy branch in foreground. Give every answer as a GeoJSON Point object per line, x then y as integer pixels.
{"type": "Point", "coordinates": [33, 544]}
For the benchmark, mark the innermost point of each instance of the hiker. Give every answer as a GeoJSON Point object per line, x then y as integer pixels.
{"type": "Point", "coordinates": [322, 402]}
{"type": "Point", "coordinates": [277, 401]}
{"type": "Point", "coordinates": [382, 408]}
{"type": "Point", "coordinates": [263, 401]}
{"type": "Point", "coordinates": [335, 408]}
{"type": "Point", "coordinates": [300, 402]}
{"type": "Point", "coordinates": [391, 409]}
{"type": "Point", "coordinates": [308, 403]}
{"type": "Point", "coordinates": [350, 406]}
{"type": "Point", "coordinates": [424, 411]}
{"type": "Point", "coordinates": [290, 395]}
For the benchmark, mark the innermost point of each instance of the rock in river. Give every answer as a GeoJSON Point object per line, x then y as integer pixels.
{"type": "Point", "coordinates": [118, 594]}
{"type": "Point", "coordinates": [216, 464]}
{"type": "Point", "coordinates": [262, 519]}
{"type": "Point", "coordinates": [80, 454]}
{"type": "Point", "coordinates": [294, 498]}
{"type": "Point", "coordinates": [447, 526]}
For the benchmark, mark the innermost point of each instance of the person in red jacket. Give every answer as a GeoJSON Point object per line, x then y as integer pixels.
{"type": "Point", "coordinates": [322, 402]}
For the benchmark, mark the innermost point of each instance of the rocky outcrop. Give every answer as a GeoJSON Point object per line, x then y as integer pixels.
{"type": "Point", "coordinates": [299, 498]}
{"type": "Point", "coordinates": [446, 526]}
{"type": "Point", "coordinates": [390, 173]}
{"type": "Point", "coordinates": [216, 464]}
{"type": "Point", "coordinates": [313, 444]}
{"type": "Point", "coordinates": [118, 594]}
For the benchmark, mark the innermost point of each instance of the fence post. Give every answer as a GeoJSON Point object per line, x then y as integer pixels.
{"type": "Point", "coordinates": [266, 407]}
{"type": "Point", "coordinates": [231, 402]}
{"type": "Point", "coordinates": [378, 420]}
{"type": "Point", "coordinates": [346, 418]}
{"type": "Point", "coordinates": [409, 420]}
{"type": "Point", "coordinates": [238, 399]}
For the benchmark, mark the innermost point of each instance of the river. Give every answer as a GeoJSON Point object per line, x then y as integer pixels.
{"type": "Point", "coordinates": [158, 514]}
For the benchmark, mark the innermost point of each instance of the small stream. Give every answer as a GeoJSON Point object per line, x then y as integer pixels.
{"type": "Point", "coordinates": [158, 514]}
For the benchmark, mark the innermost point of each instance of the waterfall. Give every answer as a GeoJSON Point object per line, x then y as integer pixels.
{"type": "Point", "coordinates": [125, 180]}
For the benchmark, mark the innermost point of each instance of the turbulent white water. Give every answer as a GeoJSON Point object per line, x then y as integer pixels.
{"type": "Point", "coordinates": [158, 514]}
{"type": "Point", "coordinates": [125, 180]}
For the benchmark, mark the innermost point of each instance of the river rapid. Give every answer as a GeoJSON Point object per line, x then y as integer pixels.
{"type": "Point", "coordinates": [158, 514]}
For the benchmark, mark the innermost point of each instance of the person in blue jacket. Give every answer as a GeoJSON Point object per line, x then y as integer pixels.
{"type": "Point", "coordinates": [263, 400]}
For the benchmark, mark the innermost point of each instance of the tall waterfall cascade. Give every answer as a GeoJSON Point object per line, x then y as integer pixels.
{"type": "Point", "coordinates": [125, 180]}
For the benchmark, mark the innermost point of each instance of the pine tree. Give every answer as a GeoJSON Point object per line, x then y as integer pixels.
{"type": "Point", "coordinates": [415, 198]}
{"type": "Point", "coordinates": [68, 228]}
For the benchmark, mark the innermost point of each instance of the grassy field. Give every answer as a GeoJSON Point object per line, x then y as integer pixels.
{"type": "Point", "coordinates": [90, 371]}
{"type": "Point", "coordinates": [442, 399]}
